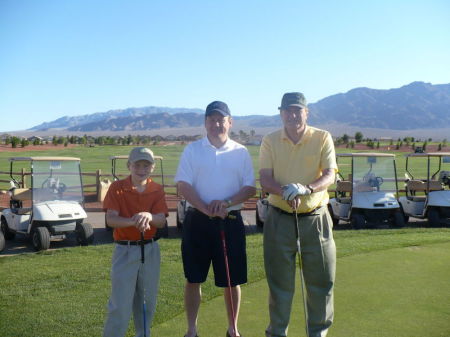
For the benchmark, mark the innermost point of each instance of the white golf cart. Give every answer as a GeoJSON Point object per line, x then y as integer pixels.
{"type": "Point", "coordinates": [123, 159]}
{"type": "Point", "coordinates": [368, 197]}
{"type": "Point", "coordinates": [429, 197]}
{"type": "Point", "coordinates": [262, 207]}
{"type": "Point", "coordinates": [52, 208]}
{"type": "Point", "coordinates": [182, 207]}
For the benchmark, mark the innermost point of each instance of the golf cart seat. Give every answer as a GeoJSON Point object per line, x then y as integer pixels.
{"type": "Point", "coordinates": [344, 186]}
{"type": "Point", "coordinates": [21, 194]}
{"type": "Point", "coordinates": [414, 186]}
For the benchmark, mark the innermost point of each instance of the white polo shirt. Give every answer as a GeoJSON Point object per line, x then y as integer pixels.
{"type": "Point", "coordinates": [216, 174]}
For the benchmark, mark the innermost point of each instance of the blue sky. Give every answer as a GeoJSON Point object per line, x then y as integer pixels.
{"type": "Point", "coordinates": [61, 57]}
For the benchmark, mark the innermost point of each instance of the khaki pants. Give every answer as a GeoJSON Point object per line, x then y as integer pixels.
{"type": "Point", "coordinates": [127, 282]}
{"type": "Point", "coordinates": [319, 267]}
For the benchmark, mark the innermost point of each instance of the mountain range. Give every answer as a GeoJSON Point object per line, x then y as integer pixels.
{"type": "Point", "coordinates": [417, 105]}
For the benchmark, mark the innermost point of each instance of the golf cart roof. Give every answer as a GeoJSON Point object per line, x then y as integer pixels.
{"type": "Point", "coordinates": [365, 154]}
{"type": "Point", "coordinates": [126, 157]}
{"type": "Point", "coordinates": [44, 159]}
{"type": "Point", "coordinates": [429, 154]}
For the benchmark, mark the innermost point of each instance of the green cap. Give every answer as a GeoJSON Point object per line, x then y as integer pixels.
{"type": "Point", "coordinates": [293, 99]}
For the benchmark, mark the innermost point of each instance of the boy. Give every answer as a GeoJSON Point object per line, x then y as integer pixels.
{"type": "Point", "coordinates": [133, 206]}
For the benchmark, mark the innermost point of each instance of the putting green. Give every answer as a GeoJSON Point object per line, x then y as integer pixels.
{"type": "Point", "coordinates": [402, 292]}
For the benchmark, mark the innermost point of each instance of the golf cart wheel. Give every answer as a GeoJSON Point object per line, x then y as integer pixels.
{"type": "Point", "coordinates": [434, 218]}
{"type": "Point", "coordinates": [335, 220]}
{"type": "Point", "coordinates": [85, 234]}
{"type": "Point", "coordinates": [7, 233]}
{"type": "Point", "coordinates": [179, 223]}
{"type": "Point", "coordinates": [259, 222]}
{"type": "Point", "coordinates": [2, 241]}
{"type": "Point", "coordinates": [399, 219]}
{"type": "Point", "coordinates": [358, 221]}
{"type": "Point", "coordinates": [41, 238]}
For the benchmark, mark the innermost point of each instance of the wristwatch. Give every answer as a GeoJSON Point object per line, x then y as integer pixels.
{"type": "Point", "coordinates": [310, 188]}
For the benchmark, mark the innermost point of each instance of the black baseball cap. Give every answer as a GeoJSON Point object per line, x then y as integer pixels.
{"type": "Point", "coordinates": [219, 107]}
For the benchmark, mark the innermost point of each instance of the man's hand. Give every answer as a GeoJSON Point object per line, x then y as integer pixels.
{"type": "Point", "coordinates": [290, 191]}
{"type": "Point", "coordinates": [218, 208]}
{"type": "Point", "coordinates": [142, 221]}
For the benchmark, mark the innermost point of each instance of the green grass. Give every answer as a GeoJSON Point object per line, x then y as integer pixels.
{"type": "Point", "coordinates": [64, 292]}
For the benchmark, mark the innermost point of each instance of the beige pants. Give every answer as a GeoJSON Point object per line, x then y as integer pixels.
{"type": "Point", "coordinates": [319, 267]}
{"type": "Point", "coordinates": [128, 280]}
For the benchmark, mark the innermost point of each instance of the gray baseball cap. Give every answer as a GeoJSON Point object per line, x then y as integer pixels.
{"type": "Point", "coordinates": [141, 153]}
{"type": "Point", "coordinates": [293, 99]}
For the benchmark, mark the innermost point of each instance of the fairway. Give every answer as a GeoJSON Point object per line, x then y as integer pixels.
{"type": "Point", "coordinates": [402, 292]}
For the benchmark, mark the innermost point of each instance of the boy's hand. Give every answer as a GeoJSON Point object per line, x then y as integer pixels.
{"type": "Point", "coordinates": [142, 221]}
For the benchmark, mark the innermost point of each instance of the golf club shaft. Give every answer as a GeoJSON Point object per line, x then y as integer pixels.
{"type": "Point", "coordinates": [302, 281]}
{"type": "Point", "coordinates": [227, 268]}
{"type": "Point", "coordinates": [144, 305]}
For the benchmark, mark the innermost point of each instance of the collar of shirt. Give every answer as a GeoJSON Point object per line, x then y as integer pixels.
{"type": "Point", "coordinates": [305, 138]}
{"type": "Point", "coordinates": [128, 185]}
{"type": "Point", "coordinates": [225, 146]}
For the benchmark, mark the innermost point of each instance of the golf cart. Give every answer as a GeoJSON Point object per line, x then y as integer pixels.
{"type": "Point", "coordinates": [262, 206]}
{"type": "Point", "coordinates": [182, 207]}
{"type": "Point", "coordinates": [161, 232]}
{"type": "Point", "coordinates": [368, 197]}
{"type": "Point", "coordinates": [430, 197]}
{"type": "Point", "coordinates": [52, 208]}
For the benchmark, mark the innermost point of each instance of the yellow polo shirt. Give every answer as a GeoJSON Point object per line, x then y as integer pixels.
{"type": "Point", "coordinates": [298, 163]}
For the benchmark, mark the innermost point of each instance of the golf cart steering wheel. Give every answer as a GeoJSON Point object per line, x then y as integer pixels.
{"type": "Point", "coordinates": [54, 185]}
{"type": "Point", "coordinates": [376, 182]}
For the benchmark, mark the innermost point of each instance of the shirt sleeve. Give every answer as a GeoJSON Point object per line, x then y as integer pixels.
{"type": "Point", "coordinates": [265, 154]}
{"type": "Point", "coordinates": [249, 174]}
{"type": "Point", "coordinates": [328, 157]}
{"type": "Point", "coordinates": [185, 171]}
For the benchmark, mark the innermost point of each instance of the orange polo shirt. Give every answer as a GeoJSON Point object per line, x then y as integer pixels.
{"type": "Point", "coordinates": [123, 197]}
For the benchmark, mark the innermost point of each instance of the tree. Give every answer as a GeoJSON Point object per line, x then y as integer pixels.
{"type": "Point", "coordinates": [358, 137]}
{"type": "Point", "coordinates": [14, 142]}
{"type": "Point", "coordinates": [345, 138]}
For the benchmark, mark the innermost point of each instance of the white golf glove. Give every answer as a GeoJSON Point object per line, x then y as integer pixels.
{"type": "Point", "coordinates": [290, 191]}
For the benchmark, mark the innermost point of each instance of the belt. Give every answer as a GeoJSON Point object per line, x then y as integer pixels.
{"type": "Point", "coordinates": [134, 243]}
{"type": "Point", "coordinates": [234, 212]}
{"type": "Point", "coordinates": [313, 212]}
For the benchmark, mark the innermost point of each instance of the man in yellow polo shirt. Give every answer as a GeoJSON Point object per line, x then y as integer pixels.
{"type": "Point", "coordinates": [297, 164]}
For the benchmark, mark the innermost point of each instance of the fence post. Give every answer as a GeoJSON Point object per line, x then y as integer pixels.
{"type": "Point", "coordinates": [97, 182]}
{"type": "Point", "coordinates": [24, 183]}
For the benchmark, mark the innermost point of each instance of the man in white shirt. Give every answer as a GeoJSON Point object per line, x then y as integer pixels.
{"type": "Point", "coordinates": [215, 176]}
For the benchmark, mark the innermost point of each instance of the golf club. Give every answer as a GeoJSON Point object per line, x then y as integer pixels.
{"type": "Point", "coordinates": [227, 268]}
{"type": "Point", "coordinates": [144, 305]}
{"type": "Point", "coordinates": [299, 250]}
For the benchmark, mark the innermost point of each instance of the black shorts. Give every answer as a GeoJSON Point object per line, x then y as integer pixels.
{"type": "Point", "coordinates": [202, 245]}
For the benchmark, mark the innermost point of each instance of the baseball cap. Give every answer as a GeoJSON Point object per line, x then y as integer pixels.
{"type": "Point", "coordinates": [219, 107]}
{"type": "Point", "coordinates": [293, 99]}
{"type": "Point", "coordinates": [141, 153]}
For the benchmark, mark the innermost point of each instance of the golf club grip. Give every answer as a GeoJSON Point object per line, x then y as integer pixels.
{"type": "Point", "coordinates": [142, 248]}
